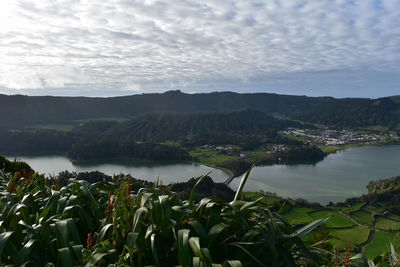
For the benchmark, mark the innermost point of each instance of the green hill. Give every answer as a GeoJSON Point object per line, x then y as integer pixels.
{"type": "Point", "coordinates": [19, 111]}
{"type": "Point", "coordinates": [351, 112]}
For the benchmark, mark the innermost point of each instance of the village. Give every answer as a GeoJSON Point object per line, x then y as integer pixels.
{"type": "Point", "coordinates": [330, 137]}
{"type": "Point", "coordinates": [318, 137]}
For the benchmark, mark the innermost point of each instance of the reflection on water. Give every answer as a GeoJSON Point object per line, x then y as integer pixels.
{"type": "Point", "coordinates": [167, 173]}
{"type": "Point", "coordinates": [339, 176]}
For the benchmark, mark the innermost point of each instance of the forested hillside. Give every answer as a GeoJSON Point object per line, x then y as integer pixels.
{"type": "Point", "coordinates": [158, 127]}
{"type": "Point", "coordinates": [19, 111]}
{"type": "Point", "coordinates": [145, 136]}
{"type": "Point", "coordinates": [353, 112]}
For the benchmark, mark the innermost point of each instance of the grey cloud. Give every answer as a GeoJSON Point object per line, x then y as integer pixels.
{"type": "Point", "coordinates": [199, 45]}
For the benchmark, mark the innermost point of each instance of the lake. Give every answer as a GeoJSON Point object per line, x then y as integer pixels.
{"type": "Point", "coordinates": [339, 176]}
{"type": "Point", "coordinates": [167, 173]}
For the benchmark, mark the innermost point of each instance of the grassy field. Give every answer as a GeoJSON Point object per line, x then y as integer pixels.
{"type": "Point", "coordinates": [386, 224]}
{"type": "Point", "coordinates": [373, 209]}
{"type": "Point", "coordinates": [295, 138]}
{"type": "Point", "coordinates": [355, 235]}
{"type": "Point", "coordinates": [362, 217]}
{"type": "Point", "coordinates": [356, 206]}
{"type": "Point", "coordinates": [210, 156]}
{"type": "Point", "coordinates": [267, 199]}
{"type": "Point", "coordinates": [298, 216]}
{"type": "Point", "coordinates": [394, 217]}
{"type": "Point", "coordinates": [335, 220]}
{"type": "Point", "coordinates": [333, 149]}
{"type": "Point", "coordinates": [69, 126]}
{"type": "Point", "coordinates": [379, 242]}
{"type": "Point", "coordinates": [341, 229]}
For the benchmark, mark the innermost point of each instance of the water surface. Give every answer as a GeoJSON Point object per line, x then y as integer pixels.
{"type": "Point", "coordinates": [167, 173]}
{"type": "Point", "coordinates": [339, 176]}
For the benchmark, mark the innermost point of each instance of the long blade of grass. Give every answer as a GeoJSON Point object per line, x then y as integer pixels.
{"type": "Point", "coordinates": [95, 259]}
{"type": "Point", "coordinates": [242, 183]}
{"type": "Point", "coordinates": [65, 257]}
{"type": "Point", "coordinates": [309, 227]}
{"type": "Point", "coordinates": [3, 240]}
{"type": "Point", "coordinates": [235, 264]}
{"type": "Point", "coordinates": [184, 255]}
{"type": "Point", "coordinates": [154, 249]}
{"type": "Point", "coordinates": [248, 253]}
{"type": "Point", "coordinates": [191, 196]}
{"type": "Point", "coordinates": [104, 231]}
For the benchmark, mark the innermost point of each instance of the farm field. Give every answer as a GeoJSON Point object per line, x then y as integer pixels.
{"type": "Point", "coordinates": [347, 225]}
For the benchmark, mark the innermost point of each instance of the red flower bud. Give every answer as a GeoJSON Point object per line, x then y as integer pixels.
{"type": "Point", "coordinates": [89, 241]}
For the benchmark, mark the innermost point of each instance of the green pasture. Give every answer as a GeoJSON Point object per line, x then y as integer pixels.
{"type": "Point", "coordinates": [386, 224]}
{"type": "Point", "coordinates": [298, 216]}
{"type": "Point", "coordinates": [379, 243]}
{"type": "Point", "coordinates": [362, 217]}
{"type": "Point", "coordinates": [335, 219]}
{"type": "Point", "coordinates": [355, 235]}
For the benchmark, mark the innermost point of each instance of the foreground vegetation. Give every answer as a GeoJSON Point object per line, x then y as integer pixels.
{"type": "Point", "coordinates": [45, 223]}
{"type": "Point", "coordinates": [48, 221]}
{"type": "Point", "coordinates": [361, 227]}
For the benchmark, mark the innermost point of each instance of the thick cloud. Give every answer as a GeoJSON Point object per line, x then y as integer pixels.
{"type": "Point", "coordinates": [92, 47]}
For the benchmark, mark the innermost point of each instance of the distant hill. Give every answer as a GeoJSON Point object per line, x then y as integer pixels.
{"type": "Point", "coordinates": [353, 112]}
{"type": "Point", "coordinates": [146, 136]}
{"type": "Point", "coordinates": [162, 126]}
{"type": "Point", "coordinates": [18, 111]}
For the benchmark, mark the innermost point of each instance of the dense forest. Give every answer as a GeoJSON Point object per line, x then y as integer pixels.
{"type": "Point", "coordinates": [356, 112]}
{"type": "Point", "coordinates": [18, 111]}
{"type": "Point", "coordinates": [142, 137]}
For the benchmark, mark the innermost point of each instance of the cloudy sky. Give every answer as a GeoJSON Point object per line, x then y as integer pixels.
{"type": "Point", "coordinates": [119, 47]}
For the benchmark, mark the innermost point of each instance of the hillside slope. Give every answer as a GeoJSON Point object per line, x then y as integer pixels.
{"type": "Point", "coordinates": [353, 112]}
{"type": "Point", "coordinates": [18, 111]}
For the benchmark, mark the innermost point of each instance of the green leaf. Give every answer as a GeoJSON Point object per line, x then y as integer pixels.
{"type": "Point", "coordinates": [195, 245]}
{"type": "Point", "coordinates": [248, 253]}
{"type": "Point", "coordinates": [250, 204]}
{"type": "Point", "coordinates": [154, 249]}
{"type": "Point", "coordinates": [235, 263]}
{"type": "Point", "coordinates": [196, 262]}
{"type": "Point", "coordinates": [137, 216]}
{"type": "Point", "coordinates": [65, 257]}
{"type": "Point", "coordinates": [131, 240]}
{"type": "Point", "coordinates": [242, 183]}
{"type": "Point", "coordinates": [371, 263]}
{"type": "Point", "coordinates": [25, 250]}
{"type": "Point", "coordinates": [144, 198]}
{"type": "Point", "coordinates": [199, 229]}
{"type": "Point", "coordinates": [95, 259]}
{"type": "Point", "coordinates": [184, 255]}
{"type": "Point", "coordinates": [3, 240]}
{"type": "Point", "coordinates": [309, 227]}
{"type": "Point", "coordinates": [393, 253]}
{"type": "Point", "coordinates": [191, 196]}
{"type": "Point", "coordinates": [103, 232]}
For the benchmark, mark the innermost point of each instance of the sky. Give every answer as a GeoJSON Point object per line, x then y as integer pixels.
{"type": "Point", "coordinates": [339, 48]}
